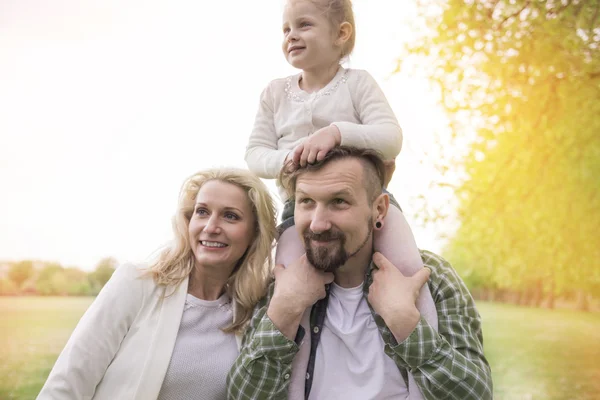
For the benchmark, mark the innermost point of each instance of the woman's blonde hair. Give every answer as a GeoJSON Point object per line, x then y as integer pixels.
{"type": "Point", "coordinates": [248, 282]}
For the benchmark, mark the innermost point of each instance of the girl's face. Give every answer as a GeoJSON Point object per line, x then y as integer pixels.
{"type": "Point", "coordinates": [222, 226]}
{"type": "Point", "coordinates": [308, 37]}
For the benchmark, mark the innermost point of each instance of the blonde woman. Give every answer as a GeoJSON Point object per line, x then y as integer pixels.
{"type": "Point", "coordinates": [171, 330]}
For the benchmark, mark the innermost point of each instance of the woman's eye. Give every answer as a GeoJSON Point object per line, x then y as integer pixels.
{"type": "Point", "coordinates": [232, 216]}
{"type": "Point", "coordinates": [201, 211]}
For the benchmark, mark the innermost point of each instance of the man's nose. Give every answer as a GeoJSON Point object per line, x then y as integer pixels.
{"type": "Point", "coordinates": [320, 220]}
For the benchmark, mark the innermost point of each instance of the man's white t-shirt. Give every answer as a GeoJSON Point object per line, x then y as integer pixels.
{"type": "Point", "coordinates": [350, 362]}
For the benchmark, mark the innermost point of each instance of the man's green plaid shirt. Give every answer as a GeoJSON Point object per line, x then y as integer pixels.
{"type": "Point", "coordinates": [448, 364]}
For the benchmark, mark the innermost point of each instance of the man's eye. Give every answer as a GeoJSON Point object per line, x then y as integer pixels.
{"type": "Point", "coordinates": [339, 201]}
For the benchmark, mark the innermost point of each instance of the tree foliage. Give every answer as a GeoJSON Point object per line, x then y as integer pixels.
{"type": "Point", "coordinates": [20, 272]}
{"type": "Point", "coordinates": [49, 281]}
{"type": "Point", "coordinates": [102, 273]}
{"type": "Point", "coordinates": [525, 75]}
{"type": "Point", "coordinates": [52, 279]}
{"type": "Point", "coordinates": [7, 287]}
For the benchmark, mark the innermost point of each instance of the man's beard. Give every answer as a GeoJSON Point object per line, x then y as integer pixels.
{"type": "Point", "coordinates": [330, 256]}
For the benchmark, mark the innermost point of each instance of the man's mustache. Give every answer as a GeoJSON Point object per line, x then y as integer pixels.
{"type": "Point", "coordinates": [323, 236]}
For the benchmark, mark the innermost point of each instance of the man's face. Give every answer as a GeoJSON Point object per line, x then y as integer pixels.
{"type": "Point", "coordinates": [333, 214]}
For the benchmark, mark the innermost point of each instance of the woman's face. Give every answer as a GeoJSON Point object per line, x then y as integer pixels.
{"type": "Point", "coordinates": [222, 225]}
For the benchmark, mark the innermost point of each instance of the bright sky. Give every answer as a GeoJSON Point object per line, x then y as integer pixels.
{"type": "Point", "coordinates": [105, 108]}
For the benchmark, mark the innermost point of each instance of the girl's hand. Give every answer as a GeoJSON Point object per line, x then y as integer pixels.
{"type": "Point", "coordinates": [317, 145]}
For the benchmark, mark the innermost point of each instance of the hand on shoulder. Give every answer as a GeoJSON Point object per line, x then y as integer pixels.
{"type": "Point", "coordinates": [393, 296]}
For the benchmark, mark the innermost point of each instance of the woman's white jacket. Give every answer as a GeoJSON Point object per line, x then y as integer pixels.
{"type": "Point", "coordinates": [122, 346]}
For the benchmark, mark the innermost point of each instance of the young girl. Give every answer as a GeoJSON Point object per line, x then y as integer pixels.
{"type": "Point", "coordinates": [302, 117]}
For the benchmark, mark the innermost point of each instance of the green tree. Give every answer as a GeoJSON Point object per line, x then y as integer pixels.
{"type": "Point", "coordinates": [7, 287]}
{"type": "Point", "coordinates": [77, 282]}
{"type": "Point", "coordinates": [46, 283]}
{"type": "Point", "coordinates": [54, 280]}
{"type": "Point", "coordinates": [525, 76]}
{"type": "Point", "coordinates": [20, 272]}
{"type": "Point", "coordinates": [102, 273]}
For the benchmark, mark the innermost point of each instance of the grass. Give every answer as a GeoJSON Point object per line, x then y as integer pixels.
{"type": "Point", "coordinates": [534, 353]}
{"type": "Point", "coordinates": [540, 353]}
{"type": "Point", "coordinates": [33, 331]}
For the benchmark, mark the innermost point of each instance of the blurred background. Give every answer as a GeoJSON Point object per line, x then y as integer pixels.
{"type": "Point", "coordinates": [106, 107]}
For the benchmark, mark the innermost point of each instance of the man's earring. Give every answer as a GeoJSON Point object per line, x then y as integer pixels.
{"type": "Point", "coordinates": [378, 225]}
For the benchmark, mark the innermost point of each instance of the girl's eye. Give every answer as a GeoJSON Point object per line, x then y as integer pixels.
{"type": "Point", "coordinates": [201, 211]}
{"type": "Point", "coordinates": [305, 24]}
{"type": "Point", "coordinates": [286, 31]}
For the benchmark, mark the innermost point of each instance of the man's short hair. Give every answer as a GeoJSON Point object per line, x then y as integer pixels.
{"type": "Point", "coordinates": [373, 169]}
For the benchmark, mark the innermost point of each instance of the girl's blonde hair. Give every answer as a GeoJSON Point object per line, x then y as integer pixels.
{"type": "Point", "coordinates": [338, 11]}
{"type": "Point", "coordinates": [248, 282]}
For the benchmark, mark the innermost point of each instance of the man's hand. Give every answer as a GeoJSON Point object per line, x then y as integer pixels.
{"type": "Point", "coordinates": [316, 146]}
{"type": "Point", "coordinates": [393, 296]}
{"type": "Point", "coordinates": [297, 288]}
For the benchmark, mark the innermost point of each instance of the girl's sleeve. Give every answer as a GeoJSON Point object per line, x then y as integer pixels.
{"type": "Point", "coordinates": [263, 156]}
{"type": "Point", "coordinates": [96, 339]}
{"type": "Point", "coordinates": [379, 129]}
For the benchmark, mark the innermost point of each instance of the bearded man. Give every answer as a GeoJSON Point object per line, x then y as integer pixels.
{"type": "Point", "coordinates": [340, 321]}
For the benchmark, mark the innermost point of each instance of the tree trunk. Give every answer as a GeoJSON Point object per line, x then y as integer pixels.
{"type": "Point", "coordinates": [551, 296]}
{"type": "Point", "coordinates": [582, 301]}
{"type": "Point", "coordinates": [538, 294]}
{"type": "Point", "coordinates": [521, 298]}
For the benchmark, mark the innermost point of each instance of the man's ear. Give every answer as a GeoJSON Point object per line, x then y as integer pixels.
{"type": "Point", "coordinates": [381, 206]}
{"type": "Point", "coordinates": [344, 33]}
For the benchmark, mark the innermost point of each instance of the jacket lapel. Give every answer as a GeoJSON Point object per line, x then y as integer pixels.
{"type": "Point", "coordinates": [163, 342]}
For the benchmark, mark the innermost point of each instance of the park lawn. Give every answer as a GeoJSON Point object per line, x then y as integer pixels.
{"type": "Point", "coordinates": [33, 331]}
{"type": "Point", "coordinates": [534, 353]}
{"type": "Point", "coordinates": [540, 353]}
